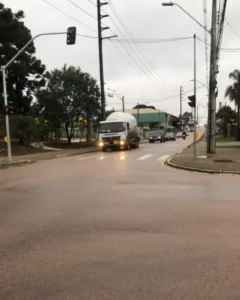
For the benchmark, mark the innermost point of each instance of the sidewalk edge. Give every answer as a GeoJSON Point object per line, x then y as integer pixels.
{"type": "Point", "coordinates": [16, 163]}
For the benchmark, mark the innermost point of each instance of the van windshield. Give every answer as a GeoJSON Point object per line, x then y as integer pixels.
{"type": "Point", "coordinates": [111, 127]}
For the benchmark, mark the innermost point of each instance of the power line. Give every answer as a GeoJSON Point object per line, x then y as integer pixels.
{"type": "Point", "coordinates": [222, 49]}
{"type": "Point", "coordinates": [87, 36]}
{"type": "Point", "coordinates": [150, 41]}
{"type": "Point", "coordinates": [175, 96]}
{"type": "Point", "coordinates": [73, 3]}
{"type": "Point", "coordinates": [85, 10]}
{"type": "Point", "coordinates": [136, 62]}
{"type": "Point", "coordinates": [144, 60]}
{"type": "Point", "coordinates": [125, 57]}
{"type": "Point", "coordinates": [66, 14]}
{"type": "Point", "coordinates": [232, 28]}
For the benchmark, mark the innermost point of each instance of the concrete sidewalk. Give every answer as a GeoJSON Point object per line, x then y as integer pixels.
{"type": "Point", "coordinates": [226, 160]}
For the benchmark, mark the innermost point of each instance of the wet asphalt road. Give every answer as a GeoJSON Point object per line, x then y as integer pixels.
{"type": "Point", "coordinates": [118, 225]}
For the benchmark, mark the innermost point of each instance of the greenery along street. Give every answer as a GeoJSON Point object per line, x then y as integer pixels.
{"type": "Point", "coordinates": [44, 101]}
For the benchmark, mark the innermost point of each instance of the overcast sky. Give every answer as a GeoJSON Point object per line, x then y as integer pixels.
{"type": "Point", "coordinates": [164, 66]}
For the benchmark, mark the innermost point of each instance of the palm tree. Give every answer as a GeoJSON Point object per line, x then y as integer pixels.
{"type": "Point", "coordinates": [233, 91]}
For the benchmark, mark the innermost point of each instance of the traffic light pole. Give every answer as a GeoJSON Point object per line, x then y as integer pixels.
{"type": "Point", "coordinates": [195, 93]}
{"type": "Point", "coordinates": [4, 68]}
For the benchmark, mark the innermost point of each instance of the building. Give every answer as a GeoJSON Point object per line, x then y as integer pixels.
{"type": "Point", "coordinates": [149, 118]}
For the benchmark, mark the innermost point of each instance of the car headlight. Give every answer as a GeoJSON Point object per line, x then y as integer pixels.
{"type": "Point", "coordinates": [101, 144]}
{"type": "Point", "coordinates": [122, 143]}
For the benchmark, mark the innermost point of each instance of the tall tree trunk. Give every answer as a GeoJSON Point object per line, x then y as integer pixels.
{"type": "Point", "coordinates": [69, 136]}
{"type": "Point", "coordinates": [89, 133]}
{"type": "Point", "coordinates": [238, 108]}
{"type": "Point", "coordinates": [69, 140]}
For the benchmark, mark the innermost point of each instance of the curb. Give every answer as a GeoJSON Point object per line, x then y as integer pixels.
{"type": "Point", "coordinates": [16, 163]}
{"type": "Point", "coordinates": [180, 167]}
{"type": "Point", "coordinates": [197, 170]}
{"type": "Point", "coordinates": [73, 154]}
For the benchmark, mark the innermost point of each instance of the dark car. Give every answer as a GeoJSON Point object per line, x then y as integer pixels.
{"type": "Point", "coordinates": [157, 137]}
{"type": "Point", "coordinates": [170, 136]}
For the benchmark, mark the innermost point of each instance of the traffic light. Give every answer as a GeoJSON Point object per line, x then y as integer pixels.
{"type": "Point", "coordinates": [192, 102]}
{"type": "Point", "coordinates": [71, 35]}
{"type": "Point", "coordinates": [10, 106]}
{"type": "Point", "coordinates": [8, 109]}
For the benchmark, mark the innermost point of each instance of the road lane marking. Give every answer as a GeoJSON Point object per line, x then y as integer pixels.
{"type": "Point", "coordinates": [164, 157]}
{"type": "Point", "coordinates": [71, 157]}
{"type": "Point", "coordinates": [101, 157]}
{"type": "Point", "coordinates": [145, 157]}
{"type": "Point", "coordinates": [87, 157]}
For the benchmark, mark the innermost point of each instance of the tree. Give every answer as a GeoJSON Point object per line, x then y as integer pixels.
{"type": "Point", "coordinates": [186, 117]}
{"type": "Point", "coordinates": [233, 91]}
{"type": "Point", "coordinates": [226, 116]}
{"type": "Point", "coordinates": [69, 95]}
{"type": "Point", "coordinates": [24, 76]}
{"type": "Point", "coordinates": [141, 106]}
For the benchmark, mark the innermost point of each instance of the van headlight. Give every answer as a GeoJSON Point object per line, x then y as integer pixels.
{"type": "Point", "coordinates": [101, 144]}
{"type": "Point", "coordinates": [122, 143]}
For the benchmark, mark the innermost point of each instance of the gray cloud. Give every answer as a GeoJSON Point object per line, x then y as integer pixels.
{"type": "Point", "coordinates": [146, 19]}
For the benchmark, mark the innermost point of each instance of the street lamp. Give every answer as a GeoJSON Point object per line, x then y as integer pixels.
{"type": "Point", "coordinates": [172, 4]}
{"type": "Point", "coordinates": [121, 98]}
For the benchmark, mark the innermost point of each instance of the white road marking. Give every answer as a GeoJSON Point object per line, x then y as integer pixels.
{"type": "Point", "coordinates": [72, 157]}
{"type": "Point", "coordinates": [87, 157]}
{"type": "Point", "coordinates": [164, 157]}
{"type": "Point", "coordinates": [145, 157]}
{"type": "Point", "coordinates": [101, 157]}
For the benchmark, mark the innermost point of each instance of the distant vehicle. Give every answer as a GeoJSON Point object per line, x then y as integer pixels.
{"type": "Point", "coordinates": [157, 136]}
{"type": "Point", "coordinates": [170, 136]}
{"type": "Point", "coordinates": [179, 134]}
{"type": "Point", "coordinates": [119, 131]}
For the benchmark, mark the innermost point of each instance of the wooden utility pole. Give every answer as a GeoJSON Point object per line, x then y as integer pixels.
{"type": "Point", "coordinates": [195, 93]}
{"type": "Point", "coordinates": [99, 4]}
{"type": "Point", "coordinates": [100, 40]}
{"type": "Point", "coordinates": [211, 143]}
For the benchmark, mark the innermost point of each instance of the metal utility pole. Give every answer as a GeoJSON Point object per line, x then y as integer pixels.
{"type": "Point", "coordinates": [211, 143]}
{"type": "Point", "coordinates": [181, 90]}
{"type": "Point", "coordinates": [100, 39]}
{"type": "Point", "coordinates": [123, 103]}
{"type": "Point", "coordinates": [9, 150]}
{"type": "Point", "coordinates": [195, 93]}
{"type": "Point", "coordinates": [138, 114]}
{"type": "Point", "coordinates": [197, 114]}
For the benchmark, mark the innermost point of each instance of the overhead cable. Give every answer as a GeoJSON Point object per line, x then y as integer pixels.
{"type": "Point", "coordinates": [63, 12]}
{"type": "Point", "coordinates": [142, 57]}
